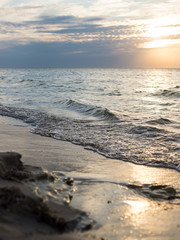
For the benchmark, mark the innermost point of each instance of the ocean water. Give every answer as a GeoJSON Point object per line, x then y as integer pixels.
{"type": "Point", "coordinates": [127, 114]}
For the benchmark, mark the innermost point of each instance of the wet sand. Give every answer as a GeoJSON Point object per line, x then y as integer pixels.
{"type": "Point", "coordinates": [110, 199]}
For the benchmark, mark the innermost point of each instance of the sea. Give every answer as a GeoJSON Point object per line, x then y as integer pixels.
{"type": "Point", "coordinates": [131, 115]}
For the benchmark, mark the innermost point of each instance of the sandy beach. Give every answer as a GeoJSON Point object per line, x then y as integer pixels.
{"type": "Point", "coordinates": [95, 197]}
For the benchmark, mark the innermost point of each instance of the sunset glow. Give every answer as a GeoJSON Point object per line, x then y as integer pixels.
{"type": "Point", "coordinates": [161, 43]}
{"type": "Point", "coordinates": [111, 31]}
{"type": "Point", "coordinates": [161, 33]}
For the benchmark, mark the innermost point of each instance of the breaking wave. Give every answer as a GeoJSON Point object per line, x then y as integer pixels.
{"type": "Point", "coordinates": [170, 93]}
{"type": "Point", "coordinates": [86, 109]}
{"type": "Point", "coordinates": [161, 121]}
{"type": "Point", "coordinates": [124, 140]}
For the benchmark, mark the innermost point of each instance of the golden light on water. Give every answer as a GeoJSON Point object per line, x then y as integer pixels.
{"type": "Point", "coordinates": [138, 211]}
{"type": "Point", "coordinates": [137, 207]}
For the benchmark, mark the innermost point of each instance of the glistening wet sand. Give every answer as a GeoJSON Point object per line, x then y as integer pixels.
{"type": "Point", "coordinates": [113, 194]}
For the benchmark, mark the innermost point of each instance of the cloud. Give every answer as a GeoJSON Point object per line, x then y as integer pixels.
{"type": "Point", "coordinates": [65, 54]}
{"type": "Point", "coordinates": [52, 20]}
{"type": "Point", "coordinates": [80, 29]}
{"type": "Point", "coordinates": [88, 54]}
{"type": "Point", "coordinates": [65, 28]}
{"type": "Point", "coordinates": [4, 3]}
{"type": "Point", "coordinates": [65, 20]}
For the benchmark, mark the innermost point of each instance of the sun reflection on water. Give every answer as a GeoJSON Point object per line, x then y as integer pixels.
{"type": "Point", "coordinates": [154, 85]}
{"type": "Point", "coordinates": [137, 207]}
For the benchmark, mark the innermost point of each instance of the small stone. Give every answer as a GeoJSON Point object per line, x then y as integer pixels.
{"type": "Point", "coordinates": [69, 181]}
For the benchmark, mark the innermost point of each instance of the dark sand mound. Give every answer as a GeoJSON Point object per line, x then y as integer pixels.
{"type": "Point", "coordinates": [23, 212]}
{"type": "Point", "coordinates": [10, 162]}
{"type": "Point", "coordinates": [156, 192]}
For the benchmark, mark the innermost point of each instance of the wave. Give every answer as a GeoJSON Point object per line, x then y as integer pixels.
{"type": "Point", "coordinates": [171, 93]}
{"type": "Point", "coordinates": [172, 138]}
{"type": "Point", "coordinates": [87, 109]}
{"type": "Point", "coordinates": [147, 131]}
{"type": "Point", "coordinates": [123, 140]}
{"type": "Point", "coordinates": [114, 93]}
{"type": "Point", "coordinates": [30, 116]}
{"type": "Point", "coordinates": [161, 121]}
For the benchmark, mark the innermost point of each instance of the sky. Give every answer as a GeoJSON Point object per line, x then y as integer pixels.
{"type": "Point", "coordinates": [90, 33]}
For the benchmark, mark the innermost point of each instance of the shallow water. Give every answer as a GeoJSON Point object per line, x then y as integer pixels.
{"type": "Point", "coordinates": [131, 115]}
{"type": "Point", "coordinates": [122, 200]}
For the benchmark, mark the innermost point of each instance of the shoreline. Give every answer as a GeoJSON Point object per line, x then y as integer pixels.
{"type": "Point", "coordinates": [102, 188]}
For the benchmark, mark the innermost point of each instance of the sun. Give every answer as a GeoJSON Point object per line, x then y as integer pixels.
{"type": "Point", "coordinates": [160, 33]}
{"type": "Point", "coordinates": [161, 43]}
